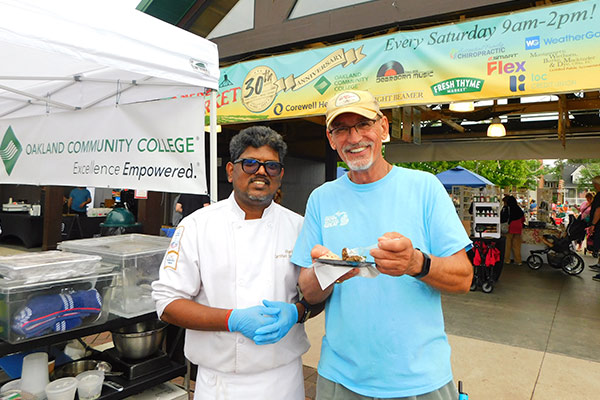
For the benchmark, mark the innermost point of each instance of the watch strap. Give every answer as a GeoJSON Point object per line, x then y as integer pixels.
{"type": "Point", "coordinates": [307, 310]}
{"type": "Point", "coordinates": [426, 265]}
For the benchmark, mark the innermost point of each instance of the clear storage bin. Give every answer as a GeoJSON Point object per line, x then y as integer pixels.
{"type": "Point", "coordinates": [29, 311]}
{"type": "Point", "coordinates": [138, 259]}
{"type": "Point", "coordinates": [47, 265]}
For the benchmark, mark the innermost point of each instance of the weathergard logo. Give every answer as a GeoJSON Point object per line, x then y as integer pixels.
{"type": "Point", "coordinates": [10, 150]}
{"type": "Point", "coordinates": [532, 42]}
{"type": "Point", "coordinates": [572, 38]}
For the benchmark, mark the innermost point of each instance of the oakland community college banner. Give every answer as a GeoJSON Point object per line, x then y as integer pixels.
{"type": "Point", "coordinates": [116, 147]}
{"type": "Point", "coordinates": [544, 50]}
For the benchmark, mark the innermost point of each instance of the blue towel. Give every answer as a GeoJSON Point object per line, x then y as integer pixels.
{"type": "Point", "coordinates": [56, 312]}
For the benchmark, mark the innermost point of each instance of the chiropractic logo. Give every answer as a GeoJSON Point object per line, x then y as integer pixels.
{"type": "Point", "coordinates": [10, 150]}
{"type": "Point", "coordinates": [532, 43]}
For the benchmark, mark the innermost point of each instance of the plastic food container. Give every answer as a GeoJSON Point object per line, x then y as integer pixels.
{"type": "Point", "coordinates": [90, 384]}
{"type": "Point", "coordinates": [29, 311]}
{"type": "Point", "coordinates": [47, 266]}
{"type": "Point", "coordinates": [62, 389]}
{"type": "Point", "coordinates": [137, 257]}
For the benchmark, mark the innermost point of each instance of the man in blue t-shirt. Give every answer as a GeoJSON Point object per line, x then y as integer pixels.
{"type": "Point", "coordinates": [384, 336]}
{"type": "Point", "coordinates": [79, 198]}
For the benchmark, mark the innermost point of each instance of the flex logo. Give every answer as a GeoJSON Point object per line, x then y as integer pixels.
{"type": "Point", "coordinates": [516, 83]}
{"type": "Point", "coordinates": [502, 67]}
{"type": "Point", "coordinates": [10, 150]}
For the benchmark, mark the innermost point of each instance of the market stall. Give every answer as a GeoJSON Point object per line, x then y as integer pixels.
{"type": "Point", "coordinates": [94, 96]}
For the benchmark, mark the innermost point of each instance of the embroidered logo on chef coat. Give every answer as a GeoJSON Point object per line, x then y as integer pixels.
{"type": "Point", "coordinates": [285, 254]}
{"type": "Point", "coordinates": [340, 218]}
{"type": "Point", "coordinates": [173, 253]}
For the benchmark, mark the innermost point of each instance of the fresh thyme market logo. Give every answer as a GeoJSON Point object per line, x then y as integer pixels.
{"type": "Point", "coordinates": [457, 85]}
{"type": "Point", "coordinates": [10, 150]}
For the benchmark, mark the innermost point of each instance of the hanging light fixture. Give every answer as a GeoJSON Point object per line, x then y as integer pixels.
{"type": "Point", "coordinates": [496, 129]}
{"type": "Point", "coordinates": [462, 106]}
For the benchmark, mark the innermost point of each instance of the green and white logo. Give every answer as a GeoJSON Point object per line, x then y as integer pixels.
{"type": "Point", "coordinates": [457, 85]}
{"type": "Point", "coordinates": [10, 150]}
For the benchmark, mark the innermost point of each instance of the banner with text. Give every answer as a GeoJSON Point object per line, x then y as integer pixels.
{"type": "Point", "coordinates": [157, 145]}
{"type": "Point", "coordinates": [542, 50]}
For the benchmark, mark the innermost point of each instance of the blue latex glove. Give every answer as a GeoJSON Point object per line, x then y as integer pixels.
{"type": "Point", "coordinates": [248, 320]}
{"type": "Point", "coordinates": [287, 317]}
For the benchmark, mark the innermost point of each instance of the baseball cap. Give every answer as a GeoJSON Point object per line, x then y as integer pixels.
{"type": "Point", "coordinates": [352, 101]}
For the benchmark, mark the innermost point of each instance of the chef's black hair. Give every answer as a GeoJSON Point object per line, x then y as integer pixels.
{"type": "Point", "coordinates": [257, 136]}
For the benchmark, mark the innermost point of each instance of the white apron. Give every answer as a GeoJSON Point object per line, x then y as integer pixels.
{"type": "Point", "coordinates": [281, 383]}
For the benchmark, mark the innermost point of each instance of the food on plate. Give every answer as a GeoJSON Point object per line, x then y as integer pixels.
{"type": "Point", "coordinates": [331, 256]}
{"type": "Point", "coordinates": [346, 256]}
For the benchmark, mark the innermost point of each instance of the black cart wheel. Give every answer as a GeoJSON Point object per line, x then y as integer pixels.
{"type": "Point", "coordinates": [473, 285]}
{"type": "Point", "coordinates": [535, 261]}
{"type": "Point", "coordinates": [487, 287]}
{"type": "Point", "coordinates": [572, 264]}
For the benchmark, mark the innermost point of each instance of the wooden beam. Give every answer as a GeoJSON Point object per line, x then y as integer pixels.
{"type": "Point", "coordinates": [563, 115]}
{"type": "Point", "coordinates": [578, 104]}
{"type": "Point", "coordinates": [426, 112]}
{"type": "Point", "coordinates": [53, 203]}
{"type": "Point", "coordinates": [407, 124]}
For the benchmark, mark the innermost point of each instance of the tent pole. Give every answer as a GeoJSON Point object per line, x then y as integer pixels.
{"type": "Point", "coordinates": [213, 192]}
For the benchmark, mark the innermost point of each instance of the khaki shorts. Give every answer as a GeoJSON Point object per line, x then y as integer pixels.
{"type": "Point", "coordinates": [328, 390]}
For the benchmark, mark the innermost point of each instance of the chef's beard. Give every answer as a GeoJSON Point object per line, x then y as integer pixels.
{"type": "Point", "coordinates": [261, 199]}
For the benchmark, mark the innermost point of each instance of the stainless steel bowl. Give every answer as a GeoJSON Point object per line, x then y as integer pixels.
{"type": "Point", "coordinates": [139, 340]}
{"type": "Point", "coordinates": [76, 367]}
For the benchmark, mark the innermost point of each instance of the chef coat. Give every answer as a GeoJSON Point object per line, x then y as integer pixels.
{"type": "Point", "coordinates": [219, 259]}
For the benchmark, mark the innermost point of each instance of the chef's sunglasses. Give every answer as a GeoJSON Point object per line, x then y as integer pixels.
{"type": "Point", "coordinates": [250, 166]}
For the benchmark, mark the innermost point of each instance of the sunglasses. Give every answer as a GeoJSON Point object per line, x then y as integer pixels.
{"type": "Point", "coordinates": [250, 166]}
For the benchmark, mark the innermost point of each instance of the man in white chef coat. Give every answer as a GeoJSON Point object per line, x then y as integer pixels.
{"type": "Point", "coordinates": [227, 278]}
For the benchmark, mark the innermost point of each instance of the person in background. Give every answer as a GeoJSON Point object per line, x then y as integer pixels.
{"type": "Point", "coordinates": [594, 230]}
{"type": "Point", "coordinates": [532, 207]}
{"type": "Point", "coordinates": [586, 207]}
{"type": "Point", "coordinates": [584, 215]}
{"type": "Point", "coordinates": [513, 214]}
{"type": "Point", "coordinates": [79, 198]}
{"type": "Point", "coordinates": [384, 335]}
{"type": "Point", "coordinates": [188, 203]}
{"type": "Point", "coordinates": [227, 278]}
{"type": "Point", "coordinates": [177, 215]}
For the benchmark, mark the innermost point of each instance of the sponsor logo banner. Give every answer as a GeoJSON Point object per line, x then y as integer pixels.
{"type": "Point", "coordinates": [537, 51]}
{"type": "Point", "coordinates": [130, 146]}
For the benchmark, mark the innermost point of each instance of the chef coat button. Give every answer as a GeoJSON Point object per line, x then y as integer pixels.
{"type": "Point", "coordinates": [240, 282]}
{"type": "Point", "coordinates": [270, 225]}
{"type": "Point", "coordinates": [241, 340]}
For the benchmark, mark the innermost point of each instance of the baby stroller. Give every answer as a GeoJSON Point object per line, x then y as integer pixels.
{"type": "Point", "coordinates": [560, 251]}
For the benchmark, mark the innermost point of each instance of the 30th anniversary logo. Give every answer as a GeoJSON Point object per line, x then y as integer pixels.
{"type": "Point", "coordinates": [261, 84]}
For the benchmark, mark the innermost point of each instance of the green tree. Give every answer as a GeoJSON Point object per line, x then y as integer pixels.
{"type": "Point", "coordinates": [591, 168]}
{"type": "Point", "coordinates": [519, 173]}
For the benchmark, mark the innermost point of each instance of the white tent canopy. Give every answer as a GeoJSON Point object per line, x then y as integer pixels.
{"type": "Point", "coordinates": [74, 56]}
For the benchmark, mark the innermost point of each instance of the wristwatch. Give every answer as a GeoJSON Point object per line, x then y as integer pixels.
{"type": "Point", "coordinates": [426, 266]}
{"type": "Point", "coordinates": [307, 311]}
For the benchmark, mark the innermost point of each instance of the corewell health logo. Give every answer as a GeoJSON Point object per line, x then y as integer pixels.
{"type": "Point", "coordinates": [10, 150]}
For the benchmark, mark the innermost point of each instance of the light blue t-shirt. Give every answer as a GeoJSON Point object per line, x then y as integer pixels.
{"type": "Point", "coordinates": [384, 336]}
